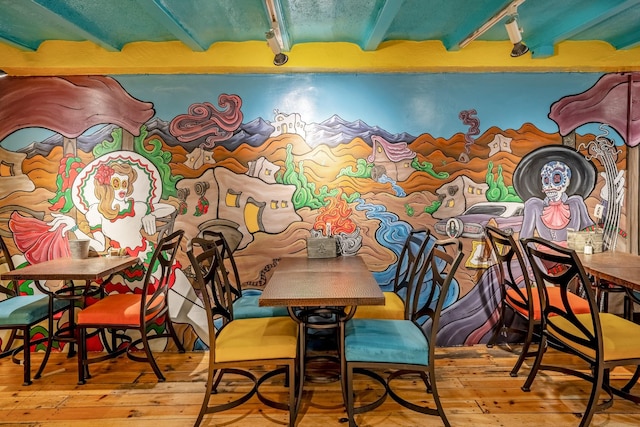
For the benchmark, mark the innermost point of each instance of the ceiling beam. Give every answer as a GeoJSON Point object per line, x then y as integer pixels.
{"type": "Point", "coordinates": [382, 23]}
{"type": "Point", "coordinates": [628, 42]}
{"type": "Point", "coordinates": [583, 19]}
{"type": "Point", "coordinates": [17, 44]}
{"type": "Point", "coordinates": [157, 11]}
{"type": "Point", "coordinates": [67, 18]}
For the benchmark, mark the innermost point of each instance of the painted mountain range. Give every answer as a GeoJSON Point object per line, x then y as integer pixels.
{"type": "Point", "coordinates": [332, 132]}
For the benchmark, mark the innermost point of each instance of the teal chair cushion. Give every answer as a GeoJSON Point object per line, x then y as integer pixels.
{"type": "Point", "coordinates": [385, 341]}
{"type": "Point", "coordinates": [24, 310]}
{"type": "Point", "coordinates": [246, 307]}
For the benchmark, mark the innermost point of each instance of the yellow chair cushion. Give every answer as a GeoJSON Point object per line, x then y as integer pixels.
{"type": "Point", "coordinates": [118, 309]}
{"type": "Point", "coordinates": [618, 336]}
{"type": "Point", "coordinates": [393, 309]}
{"type": "Point", "coordinates": [258, 338]}
{"type": "Point", "coordinates": [578, 304]}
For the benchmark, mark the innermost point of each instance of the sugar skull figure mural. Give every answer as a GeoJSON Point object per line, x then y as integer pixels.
{"type": "Point", "coordinates": [555, 202]}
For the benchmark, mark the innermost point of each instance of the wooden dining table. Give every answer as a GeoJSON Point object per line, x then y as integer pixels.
{"type": "Point", "coordinates": [89, 270]}
{"type": "Point", "coordinates": [319, 293]}
{"type": "Point", "coordinates": [307, 282]}
{"type": "Point", "coordinates": [618, 268]}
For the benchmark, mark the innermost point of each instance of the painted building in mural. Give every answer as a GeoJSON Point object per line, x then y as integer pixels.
{"type": "Point", "coordinates": [197, 161]}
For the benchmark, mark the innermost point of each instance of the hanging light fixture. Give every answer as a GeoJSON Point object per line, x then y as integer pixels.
{"type": "Point", "coordinates": [514, 31]}
{"type": "Point", "coordinates": [515, 36]}
{"type": "Point", "coordinates": [279, 58]}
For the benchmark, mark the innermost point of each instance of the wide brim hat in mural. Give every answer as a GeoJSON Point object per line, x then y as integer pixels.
{"type": "Point", "coordinates": [526, 177]}
{"type": "Point", "coordinates": [148, 183]}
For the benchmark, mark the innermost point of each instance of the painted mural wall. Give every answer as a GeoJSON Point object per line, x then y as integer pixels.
{"type": "Point", "coordinates": [270, 160]}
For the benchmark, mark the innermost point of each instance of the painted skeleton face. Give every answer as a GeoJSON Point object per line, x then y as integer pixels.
{"type": "Point", "coordinates": [556, 177]}
{"type": "Point", "coordinates": [120, 185]}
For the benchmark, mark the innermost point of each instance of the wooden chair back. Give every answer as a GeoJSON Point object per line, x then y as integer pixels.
{"type": "Point", "coordinates": [226, 253]}
{"type": "Point", "coordinates": [555, 265]}
{"type": "Point", "coordinates": [411, 251]}
{"type": "Point", "coordinates": [511, 269]}
{"type": "Point", "coordinates": [211, 279]}
{"type": "Point", "coordinates": [431, 283]}
{"type": "Point", "coordinates": [155, 291]}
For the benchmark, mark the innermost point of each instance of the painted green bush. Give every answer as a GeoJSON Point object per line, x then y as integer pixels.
{"type": "Point", "coordinates": [498, 191]}
{"type": "Point", "coordinates": [428, 168]}
{"type": "Point", "coordinates": [305, 194]}
{"type": "Point", "coordinates": [362, 170]}
{"type": "Point", "coordinates": [432, 207]}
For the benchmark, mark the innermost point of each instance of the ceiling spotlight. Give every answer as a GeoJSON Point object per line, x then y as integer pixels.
{"type": "Point", "coordinates": [279, 58]}
{"type": "Point", "coordinates": [515, 35]}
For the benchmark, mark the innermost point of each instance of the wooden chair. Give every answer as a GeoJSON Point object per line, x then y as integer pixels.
{"type": "Point", "coordinates": [241, 303]}
{"type": "Point", "coordinates": [402, 346]}
{"type": "Point", "coordinates": [242, 344]}
{"type": "Point", "coordinates": [141, 312]}
{"type": "Point", "coordinates": [20, 314]}
{"type": "Point", "coordinates": [395, 306]}
{"type": "Point", "coordinates": [603, 340]}
{"type": "Point", "coordinates": [630, 300]}
{"type": "Point", "coordinates": [518, 295]}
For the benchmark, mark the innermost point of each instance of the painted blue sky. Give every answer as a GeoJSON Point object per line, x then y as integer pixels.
{"type": "Point", "coordinates": [412, 103]}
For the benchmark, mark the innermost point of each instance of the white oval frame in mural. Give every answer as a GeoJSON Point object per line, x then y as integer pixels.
{"type": "Point", "coordinates": [82, 190]}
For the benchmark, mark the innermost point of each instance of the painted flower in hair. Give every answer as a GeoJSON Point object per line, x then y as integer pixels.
{"type": "Point", "coordinates": [104, 174]}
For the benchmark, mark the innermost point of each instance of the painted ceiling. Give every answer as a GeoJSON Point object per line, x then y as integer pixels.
{"type": "Point", "coordinates": [112, 24]}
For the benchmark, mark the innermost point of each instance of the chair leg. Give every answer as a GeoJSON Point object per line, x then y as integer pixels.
{"type": "Point", "coordinates": [9, 343]}
{"type": "Point", "coordinates": [294, 397]}
{"type": "Point", "coordinates": [150, 358]}
{"type": "Point", "coordinates": [81, 356]}
{"type": "Point", "coordinates": [427, 382]}
{"type": "Point", "coordinates": [350, 397]}
{"type": "Point", "coordinates": [210, 387]}
{"type": "Point", "coordinates": [536, 364]}
{"type": "Point", "coordinates": [628, 307]}
{"type": "Point", "coordinates": [343, 366]}
{"type": "Point", "coordinates": [500, 324]}
{"type": "Point", "coordinates": [173, 334]}
{"type": "Point", "coordinates": [49, 344]}
{"type": "Point", "coordinates": [525, 348]}
{"type": "Point", "coordinates": [436, 396]}
{"type": "Point", "coordinates": [302, 334]}
{"type": "Point", "coordinates": [216, 383]}
{"type": "Point", "coordinates": [634, 379]}
{"type": "Point", "coordinates": [598, 372]}
{"type": "Point", "coordinates": [27, 356]}
{"type": "Point", "coordinates": [300, 380]}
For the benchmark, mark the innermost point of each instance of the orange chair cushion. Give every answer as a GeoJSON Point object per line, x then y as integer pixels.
{"type": "Point", "coordinates": [618, 336]}
{"type": "Point", "coordinates": [118, 309]}
{"type": "Point", "coordinates": [260, 338]}
{"type": "Point", "coordinates": [579, 305]}
{"type": "Point", "coordinates": [393, 309]}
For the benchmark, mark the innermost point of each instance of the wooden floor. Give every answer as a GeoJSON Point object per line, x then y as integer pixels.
{"type": "Point", "coordinates": [474, 384]}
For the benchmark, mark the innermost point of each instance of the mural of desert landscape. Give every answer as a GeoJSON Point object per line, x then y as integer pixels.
{"type": "Point", "coordinates": [301, 213]}
{"type": "Point", "coordinates": [273, 160]}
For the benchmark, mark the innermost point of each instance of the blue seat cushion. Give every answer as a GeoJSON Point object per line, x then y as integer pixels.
{"type": "Point", "coordinates": [385, 341]}
{"type": "Point", "coordinates": [246, 307]}
{"type": "Point", "coordinates": [26, 309]}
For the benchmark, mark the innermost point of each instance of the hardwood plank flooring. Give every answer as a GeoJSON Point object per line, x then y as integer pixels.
{"type": "Point", "coordinates": [474, 384]}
